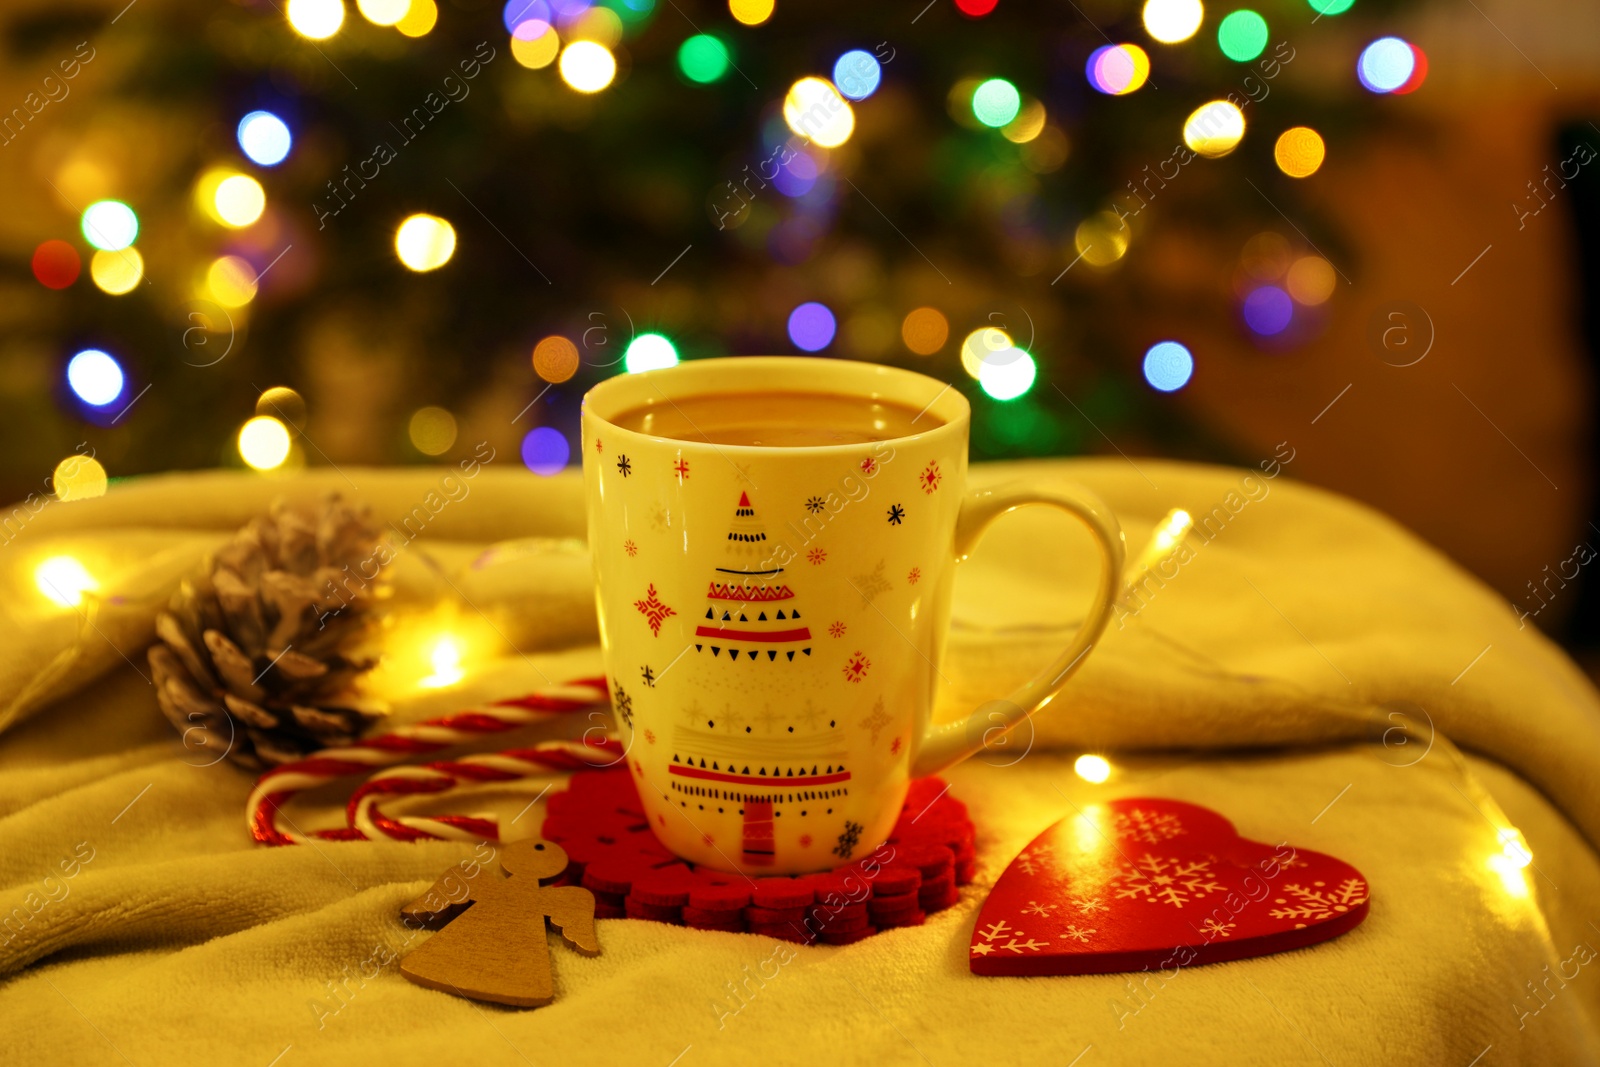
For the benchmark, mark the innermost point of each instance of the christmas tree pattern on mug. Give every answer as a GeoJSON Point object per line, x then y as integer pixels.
{"type": "Point", "coordinates": [747, 604]}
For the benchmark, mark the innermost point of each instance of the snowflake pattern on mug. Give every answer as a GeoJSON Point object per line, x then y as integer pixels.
{"type": "Point", "coordinates": [817, 555]}
{"type": "Point", "coordinates": [630, 548]}
{"type": "Point", "coordinates": [929, 479]}
{"type": "Point", "coordinates": [858, 667]}
{"type": "Point", "coordinates": [654, 611]}
{"type": "Point", "coordinates": [915, 576]}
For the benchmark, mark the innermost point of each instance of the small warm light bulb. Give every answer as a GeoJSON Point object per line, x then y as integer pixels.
{"type": "Point", "coordinates": [264, 443]}
{"type": "Point", "coordinates": [117, 272]}
{"type": "Point", "coordinates": [813, 108]}
{"type": "Point", "coordinates": [78, 478]}
{"type": "Point", "coordinates": [587, 66]}
{"type": "Point", "coordinates": [1092, 768]}
{"type": "Point", "coordinates": [1174, 529]}
{"type": "Point", "coordinates": [446, 661]}
{"type": "Point", "coordinates": [239, 200]}
{"type": "Point", "coordinates": [425, 242]}
{"type": "Point", "coordinates": [316, 19]}
{"type": "Point", "coordinates": [64, 580]}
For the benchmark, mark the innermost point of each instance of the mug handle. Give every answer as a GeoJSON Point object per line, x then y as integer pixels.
{"type": "Point", "coordinates": [950, 743]}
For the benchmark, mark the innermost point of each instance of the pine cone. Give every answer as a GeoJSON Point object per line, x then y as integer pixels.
{"type": "Point", "coordinates": [263, 654]}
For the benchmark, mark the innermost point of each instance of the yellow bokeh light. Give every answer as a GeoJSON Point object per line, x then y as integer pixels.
{"type": "Point", "coordinates": [78, 478]}
{"type": "Point", "coordinates": [1215, 129]}
{"type": "Point", "coordinates": [1514, 846]}
{"type": "Point", "coordinates": [925, 331]}
{"type": "Point", "coordinates": [264, 443]}
{"type": "Point", "coordinates": [64, 580]}
{"type": "Point", "coordinates": [1028, 124]}
{"type": "Point", "coordinates": [555, 359]}
{"type": "Point", "coordinates": [982, 345]}
{"type": "Point", "coordinates": [1311, 280]}
{"type": "Point", "coordinates": [383, 12]}
{"type": "Point", "coordinates": [1266, 256]}
{"type": "Point", "coordinates": [1173, 530]}
{"type": "Point", "coordinates": [425, 242]}
{"type": "Point", "coordinates": [445, 658]}
{"type": "Point", "coordinates": [419, 18]}
{"type": "Point", "coordinates": [1102, 238]}
{"type": "Point", "coordinates": [1511, 874]}
{"type": "Point", "coordinates": [1092, 768]}
{"type": "Point", "coordinates": [433, 430]}
{"type": "Point", "coordinates": [598, 24]}
{"type": "Point", "coordinates": [1299, 151]}
{"type": "Point", "coordinates": [282, 403]}
{"type": "Point", "coordinates": [751, 12]}
{"type": "Point", "coordinates": [588, 66]}
{"type": "Point", "coordinates": [117, 272]}
{"type": "Point", "coordinates": [1171, 21]}
{"type": "Point", "coordinates": [239, 200]}
{"type": "Point", "coordinates": [231, 281]}
{"type": "Point", "coordinates": [539, 50]}
{"type": "Point", "coordinates": [316, 19]}
{"type": "Point", "coordinates": [813, 108]}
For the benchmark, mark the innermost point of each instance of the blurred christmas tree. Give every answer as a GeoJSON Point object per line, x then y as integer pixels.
{"type": "Point", "coordinates": [361, 222]}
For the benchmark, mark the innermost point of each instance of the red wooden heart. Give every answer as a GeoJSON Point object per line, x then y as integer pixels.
{"type": "Point", "coordinates": [1152, 883]}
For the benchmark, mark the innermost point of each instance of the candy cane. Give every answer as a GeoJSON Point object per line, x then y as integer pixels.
{"type": "Point", "coordinates": [278, 786]}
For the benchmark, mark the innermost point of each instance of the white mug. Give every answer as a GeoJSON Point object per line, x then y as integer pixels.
{"type": "Point", "coordinates": [773, 618]}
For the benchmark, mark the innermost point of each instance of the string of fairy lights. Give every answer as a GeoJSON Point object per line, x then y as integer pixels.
{"type": "Point", "coordinates": [581, 41]}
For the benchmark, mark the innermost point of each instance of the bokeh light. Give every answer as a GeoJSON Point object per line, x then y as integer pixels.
{"type": "Point", "coordinates": [265, 138]}
{"type": "Point", "coordinates": [1168, 366]}
{"type": "Point", "coordinates": [1092, 768]}
{"type": "Point", "coordinates": [649, 351]}
{"type": "Point", "coordinates": [518, 12]}
{"type": "Point", "coordinates": [982, 345]}
{"type": "Point", "coordinates": [588, 66]}
{"type": "Point", "coordinates": [425, 242]}
{"type": "Point", "coordinates": [811, 326]}
{"type": "Point", "coordinates": [975, 8]}
{"type": "Point", "coordinates": [1268, 310]}
{"type": "Point", "coordinates": [316, 19]}
{"type": "Point", "coordinates": [1028, 124]}
{"type": "Point", "coordinates": [798, 176]}
{"type": "Point", "coordinates": [95, 377]}
{"type": "Point", "coordinates": [1311, 280]}
{"type": "Point", "coordinates": [1118, 69]}
{"type": "Point", "coordinates": [117, 272]}
{"type": "Point", "coordinates": [231, 281]}
{"type": "Point", "coordinates": [535, 44]}
{"type": "Point", "coordinates": [383, 12]}
{"type": "Point", "coordinates": [239, 201]}
{"type": "Point", "coordinates": [1009, 378]}
{"type": "Point", "coordinates": [1266, 255]}
{"type": "Point", "coordinates": [432, 430]}
{"type": "Point", "coordinates": [750, 12]}
{"type": "Point", "coordinates": [996, 102]}
{"type": "Point", "coordinates": [419, 18]}
{"type": "Point", "coordinates": [1102, 238]}
{"type": "Point", "coordinates": [813, 108]}
{"type": "Point", "coordinates": [925, 331]}
{"type": "Point", "coordinates": [64, 580]}
{"type": "Point", "coordinates": [1171, 21]}
{"type": "Point", "coordinates": [1299, 151]}
{"type": "Point", "coordinates": [1419, 72]}
{"type": "Point", "coordinates": [283, 403]}
{"type": "Point", "coordinates": [78, 478]}
{"type": "Point", "coordinates": [545, 451]}
{"type": "Point", "coordinates": [1215, 129]}
{"type": "Point", "coordinates": [56, 264]}
{"type": "Point", "coordinates": [857, 74]}
{"type": "Point", "coordinates": [703, 59]}
{"type": "Point", "coordinates": [1331, 7]}
{"type": "Point", "coordinates": [1242, 35]}
{"type": "Point", "coordinates": [1386, 65]}
{"type": "Point", "coordinates": [555, 359]}
{"type": "Point", "coordinates": [110, 224]}
{"type": "Point", "coordinates": [599, 24]}
{"type": "Point", "coordinates": [264, 443]}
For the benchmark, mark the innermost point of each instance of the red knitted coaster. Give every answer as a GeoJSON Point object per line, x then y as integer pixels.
{"type": "Point", "coordinates": [600, 823]}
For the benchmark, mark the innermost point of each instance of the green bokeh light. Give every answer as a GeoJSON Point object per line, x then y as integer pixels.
{"type": "Point", "coordinates": [996, 102]}
{"type": "Point", "coordinates": [1331, 7]}
{"type": "Point", "coordinates": [703, 59]}
{"type": "Point", "coordinates": [1242, 35]}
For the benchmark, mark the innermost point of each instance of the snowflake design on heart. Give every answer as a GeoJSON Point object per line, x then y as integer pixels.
{"type": "Point", "coordinates": [630, 548]}
{"type": "Point", "coordinates": [1088, 905]}
{"type": "Point", "coordinates": [915, 576]}
{"type": "Point", "coordinates": [1292, 861]}
{"type": "Point", "coordinates": [1151, 827]}
{"type": "Point", "coordinates": [930, 477]}
{"type": "Point", "coordinates": [1319, 902]}
{"type": "Point", "coordinates": [1033, 860]}
{"type": "Point", "coordinates": [815, 504]}
{"type": "Point", "coordinates": [858, 667]}
{"type": "Point", "coordinates": [654, 611]}
{"type": "Point", "coordinates": [817, 555]}
{"type": "Point", "coordinates": [1213, 929]}
{"type": "Point", "coordinates": [876, 721]}
{"type": "Point", "coordinates": [995, 931]}
{"type": "Point", "coordinates": [622, 702]}
{"type": "Point", "coordinates": [1036, 908]}
{"type": "Point", "coordinates": [837, 629]}
{"type": "Point", "coordinates": [1079, 934]}
{"type": "Point", "coordinates": [871, 586]}
{"type": "Point", "coordinates": [897, 514]}
{"type": "Point", "coordinates": [650, 736]}
{"type": "Point", "coordinates": [848, 840]}
{"type": "Point", "coordinates": [869, 466]}
{"type": "Point", "coordinates": [1167, 880]}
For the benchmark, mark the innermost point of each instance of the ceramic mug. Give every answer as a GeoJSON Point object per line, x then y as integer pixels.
{"type": "Point", "coordinates": [773, 618]}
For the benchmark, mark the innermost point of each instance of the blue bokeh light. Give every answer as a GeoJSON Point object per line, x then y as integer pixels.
{"type": "Point", "coordinates": [1168, 366]}
{"type": "Point", "coordinates": [1267, 310]}
{"type": "Point", "coordinates": [95, 376]}
{"type": "Point", "coordinates": [545, 451]}
{"type": "Point", "coordinates": [265, 138]}
{"type": "Point", "coordinates": [856, 74]}
{"type": "Point", "coordinates": [1386, 64]}
{"type": "Point", "coordinates": [519, 11]}
{"type": "Point", "coordinates": [811, 326]}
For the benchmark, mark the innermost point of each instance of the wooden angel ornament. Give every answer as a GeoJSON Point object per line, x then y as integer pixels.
{"type": "Point", "coordinates": [491, 941]}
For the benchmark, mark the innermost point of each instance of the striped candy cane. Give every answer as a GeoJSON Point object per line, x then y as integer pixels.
{"type": "Point", "coordinates": [278, 786]}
